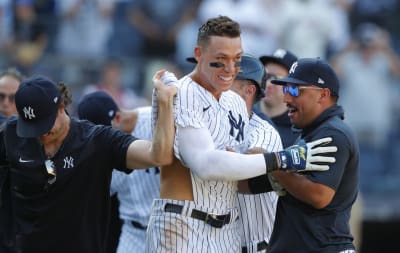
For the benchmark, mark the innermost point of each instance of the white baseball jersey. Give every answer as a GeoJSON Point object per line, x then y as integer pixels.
{"type": "Point", "coordinates": [257, 211]}
{"type": "Point", "coordinates": [136, 192]}
{"type": "Point", "coordinates": [227, 121]}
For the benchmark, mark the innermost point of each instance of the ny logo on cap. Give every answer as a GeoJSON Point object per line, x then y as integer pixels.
{"type": "Point", "coordinates": [320, 81]}
{"type": "Point", "coordinates": [28, 113]}
{"type": "Point", "coordinates": [280, 53]}
{"type": "Point", "coordinates": [293, 68]}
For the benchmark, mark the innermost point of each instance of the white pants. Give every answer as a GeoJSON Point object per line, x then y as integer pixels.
{"type": "Point", "coordinates": [172, 232]}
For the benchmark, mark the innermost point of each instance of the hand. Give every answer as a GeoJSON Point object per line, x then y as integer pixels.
{"type": "Point", "coordinates": [276, 186]}
{"type": "Point", "coordinates": [165, 84]}
{"type": "Point", "coordinates": [304, 156]}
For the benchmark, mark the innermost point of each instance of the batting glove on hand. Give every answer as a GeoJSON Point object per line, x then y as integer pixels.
{"type": "Point", "coordinates": [302, 157]}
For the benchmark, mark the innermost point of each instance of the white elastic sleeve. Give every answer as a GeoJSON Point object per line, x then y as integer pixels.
{"type": "Point", "coordinates": [197, 152]}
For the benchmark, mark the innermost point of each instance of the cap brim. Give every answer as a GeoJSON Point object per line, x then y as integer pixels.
{"type": "Point", "coordinates": [28, 129]}
{"type": "Point", "coordinates": [266, 59]}
{"type": "Point", "coordinates": [191, 60]}
{"type": "Point", "coordinates": [286, 80]}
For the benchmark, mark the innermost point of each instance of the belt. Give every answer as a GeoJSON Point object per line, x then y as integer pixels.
{"type": "Point", "coordinates": [214, 220]}
{"type": "Point", "coordinates": [260, 246]}
{"type": "Point", "coordinates": [137, 225]}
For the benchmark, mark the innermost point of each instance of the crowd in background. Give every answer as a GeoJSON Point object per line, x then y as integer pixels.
{"type": "Point", "coordinates": [116, 45]}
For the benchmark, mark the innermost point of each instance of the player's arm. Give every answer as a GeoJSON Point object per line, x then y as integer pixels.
{"type": "Point", "coordinates": [158, 152]}
{"type": "Point", "coordinates": [302, 188]}
{"type": "Point", "coordinates": [197, 151]}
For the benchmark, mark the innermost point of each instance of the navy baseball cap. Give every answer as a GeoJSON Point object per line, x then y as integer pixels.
{"type": "Point", "coordinates": [98, 107]}
{"type": "Point", "coordinates": [311, 71]}
{"type": "Point", "coordinates": [280, 56]}
{"type": "Point", "coordinates": [37, 100]}
{"type": "Point", "coordinates": [252, 69]}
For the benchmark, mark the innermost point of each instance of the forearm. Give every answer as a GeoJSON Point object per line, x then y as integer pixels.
{"type": "Point", "coordinates": [305, 190]}
{"type": "Point", "coordinates": [164, 132]}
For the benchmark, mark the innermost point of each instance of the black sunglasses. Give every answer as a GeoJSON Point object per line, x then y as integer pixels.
{"type": "Point", "coordinates": [3, 96]}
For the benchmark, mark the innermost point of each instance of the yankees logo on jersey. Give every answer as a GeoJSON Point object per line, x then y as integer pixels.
{"type": "Point", "coordinates": [226, 120]}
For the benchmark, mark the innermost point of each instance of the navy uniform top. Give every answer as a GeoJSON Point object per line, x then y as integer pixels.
{"type": "Point", "coordinates": [281, 123]}
{"type": "Point", "coordinates": [71, 215]}
{"type": "Point", "coordinates": [301, 228]}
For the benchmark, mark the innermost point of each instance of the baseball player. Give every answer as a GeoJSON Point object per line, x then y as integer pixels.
{"type": "Point", "coordinates": [256, 211]}
{"type": "Point", "coordinates": [61, 167]}
{"type": "Point", "coordinates": [135, 191]}
{"type": "Point", "coordinates": [197, 211]}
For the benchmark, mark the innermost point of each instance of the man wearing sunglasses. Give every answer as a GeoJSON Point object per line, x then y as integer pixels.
{"type": "Point", "coordinates": [10, 80]}
{"type": "Point", "coordinates": [314, 214]}
{"type": "Point", "coordinates": [61, 167]}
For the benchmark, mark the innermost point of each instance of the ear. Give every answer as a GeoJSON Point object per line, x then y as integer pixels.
{"type": "Point", "coordinates": [197, 53]}
{"type": "Point", "coordinates": [251, 90]}
{"type": "Point", "coordinates": [116, 121]}
{"type": "Point", "coordinates": [325, 94]}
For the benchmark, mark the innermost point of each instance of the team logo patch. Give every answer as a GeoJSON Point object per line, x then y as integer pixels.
{"type": "Point", "coordinates": [320, 81]}
{"type": "Point", "coordinates": [280, 53]}
{"type": "Point", "coordinates": [237, 124]}
{"type": "Point", "coordinates": [293, 68]}
{"type": "Point", "coordinates": [28, 113]}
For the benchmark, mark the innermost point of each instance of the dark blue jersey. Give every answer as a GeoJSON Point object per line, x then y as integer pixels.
{"type": "Point", "coordinates": [72, 214]}
{"type": "Point", "coordinates": [299, 227]}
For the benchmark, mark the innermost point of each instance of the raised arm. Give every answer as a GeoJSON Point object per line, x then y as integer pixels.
{"type": "Point", "coordinates": [144, 154]}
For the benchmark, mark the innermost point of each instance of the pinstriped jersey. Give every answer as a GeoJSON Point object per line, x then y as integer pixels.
{"type": "Point", "coordinates": [227, 121]}
{"type": "Point", "coordinates": [257, 212]}
{"type": "Point", "coordinates": [137, 190]}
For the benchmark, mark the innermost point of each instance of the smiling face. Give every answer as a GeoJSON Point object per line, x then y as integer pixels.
{"type": "Point", "coordinates": [220, 49]}
{"type": "Point", "coordinates": [307, 106]}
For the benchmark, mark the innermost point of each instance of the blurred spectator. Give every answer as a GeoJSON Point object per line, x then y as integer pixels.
{"type": "Point", "coordinates": [6, 24]}
{"type": "Point", "coordinates": [48, 20]}
{"type": "Point", "coordinates": [85, 27]}
{"type": "Point", "coordinates": [111, 81]}
{"type": "Point", "coordinates": [125, 40]}
{"type": "Point", "coordinates": [259, 33]}
{"type": "Point", "coordinates": [10, 80]}
{"type": "Point", "coordinates": [158, 23]}
{"type": "Point", "coordinates": [368, 69]}
{"type": "Point", "coordinates": [30, 39]}
{"type": "Point", "coordinates": [307, 27]}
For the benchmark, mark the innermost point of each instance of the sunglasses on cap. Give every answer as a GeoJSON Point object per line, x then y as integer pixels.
{"type": "Point", "coordinates": [51, 173]}
{"type": "Point", "coordinates": [294, 91]}
{"type": "Point", "coordinates": [3, 96]}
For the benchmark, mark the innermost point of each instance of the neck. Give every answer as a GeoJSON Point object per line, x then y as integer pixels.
{"type": "Point", "coordinates": [273, 111]}
{"type": "Point", "coordinates": [53, 145]}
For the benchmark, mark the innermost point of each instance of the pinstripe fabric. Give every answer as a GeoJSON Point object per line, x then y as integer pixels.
{"type": "Point", "coordinates": [257, 212]}
{"type": "Point", "coordinates": [171, 232]}
{"type": "Point", "coordinates": [136, 192]}
{"type": "Point", "coordinates": [226, 120]}
{"type": "Point", "coordinates": [191, 102]}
